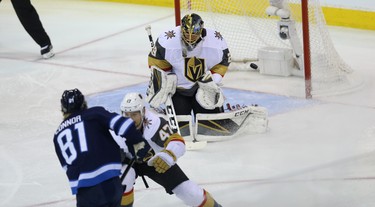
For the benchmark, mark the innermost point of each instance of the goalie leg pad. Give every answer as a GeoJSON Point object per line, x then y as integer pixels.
{"type": "Point", "coordinates": [209, 94]}
{"type": "Point", "coordinates": [224, 126]}
{"type": "Point", "coordinates": [161, 84]}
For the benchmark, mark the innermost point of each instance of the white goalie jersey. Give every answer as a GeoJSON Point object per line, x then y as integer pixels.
{"type": "Point", "coordinates": [170, 54]}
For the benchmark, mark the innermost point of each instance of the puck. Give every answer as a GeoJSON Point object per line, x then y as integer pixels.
{"type": "Point", "coordinates": [253, 66]}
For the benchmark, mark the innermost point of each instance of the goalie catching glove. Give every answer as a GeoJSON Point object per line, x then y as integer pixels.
{"type": "Point", "coordinates": [160, 86]}
{"type": "Point", "coordinates": [209, 94]}
{"type": "Point", "coordinates": [162, 161]}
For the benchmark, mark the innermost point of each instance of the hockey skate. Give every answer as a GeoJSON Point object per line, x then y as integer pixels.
{"type": "Point", "coordinates": [47, 52]}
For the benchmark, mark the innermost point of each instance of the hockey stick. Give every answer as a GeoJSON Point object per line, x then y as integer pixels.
{"type": "Point", "coordinates": [172, 119]}
{"type": "Point", "coordinates": [148, 29]}
{"type": "Point", "coordinates": [130, 165]}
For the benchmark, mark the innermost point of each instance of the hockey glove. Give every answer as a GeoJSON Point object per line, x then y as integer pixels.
{"type": "Point", "coordinates": [162, 161]}
{"type": "Point", "coordinates": [209, 94]}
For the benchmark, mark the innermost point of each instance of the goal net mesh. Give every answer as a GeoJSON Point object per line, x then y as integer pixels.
{"type": "Point", "coordinates": [246, 27]}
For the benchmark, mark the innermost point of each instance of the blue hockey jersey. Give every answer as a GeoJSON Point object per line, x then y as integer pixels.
{"type": "Point", "coordinates": [86, 148]}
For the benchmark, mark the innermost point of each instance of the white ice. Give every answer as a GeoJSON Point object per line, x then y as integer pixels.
{"type": "Point", "coordinates": [321, 155]}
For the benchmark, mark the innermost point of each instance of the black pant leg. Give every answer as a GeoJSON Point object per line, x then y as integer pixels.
{"type": "Point", "coordinates": [29, 19]}
{"type": "Point", "coordinates": [173, 177]}
{"type": "Point", "coordinates": [182, 104]}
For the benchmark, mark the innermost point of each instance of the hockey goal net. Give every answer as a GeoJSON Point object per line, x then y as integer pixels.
{"type": "Point", "coordinates": [247, 28]}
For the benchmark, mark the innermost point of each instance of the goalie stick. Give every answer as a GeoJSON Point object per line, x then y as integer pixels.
{"type": "Point", "coordinates": [172, 119]}
{"type": "Point", "coordinates": [148, 29]}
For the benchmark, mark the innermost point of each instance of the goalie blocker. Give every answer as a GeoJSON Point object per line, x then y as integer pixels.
{"type": "Point", "coordinates": [160, 86]}
{"type": "Point", "coordinates": [227, 125]}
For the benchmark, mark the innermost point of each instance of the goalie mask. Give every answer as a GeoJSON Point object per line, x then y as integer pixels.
{"type": "Point", "coordinates": [192, 29]}
{"type": "Point", "coordinates": [132, 103]}
{"type": "Point", "coordinates": [72, 101]}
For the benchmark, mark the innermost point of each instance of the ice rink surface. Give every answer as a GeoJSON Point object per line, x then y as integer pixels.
{"type": "Point", "coordinates": [316, 153]}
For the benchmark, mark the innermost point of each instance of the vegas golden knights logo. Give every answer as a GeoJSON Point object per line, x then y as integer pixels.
{"type": "Point", "coordinates": [194, 68]}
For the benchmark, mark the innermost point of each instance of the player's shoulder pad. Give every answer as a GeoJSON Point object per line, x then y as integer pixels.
{"type": "Point", "coordinates": [215, 38]}
{"type": "Point", "coordinates": [151, 124]}
{"type": "Point", "coordinates": [96, 111]}
{"type": "Point", "coordinates": [170, 38]}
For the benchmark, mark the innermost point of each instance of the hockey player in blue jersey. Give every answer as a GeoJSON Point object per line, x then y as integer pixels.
{"type": "Point", "coordinates": [165, 147]}
{"type": "Point", "coordinates": [88, 153]}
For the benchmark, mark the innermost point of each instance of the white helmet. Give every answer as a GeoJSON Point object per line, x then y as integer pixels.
{"type": "Point", "coordinates": [132, 102]}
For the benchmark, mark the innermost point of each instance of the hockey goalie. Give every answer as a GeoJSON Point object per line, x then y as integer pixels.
{"type": "Point", "coordinates": [187, 65]}
{"type": "Point", "coordinates": [226, 124]}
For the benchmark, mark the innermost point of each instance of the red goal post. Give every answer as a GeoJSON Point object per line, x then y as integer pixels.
{"type": "Point", "coordinates": [306, 48]}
